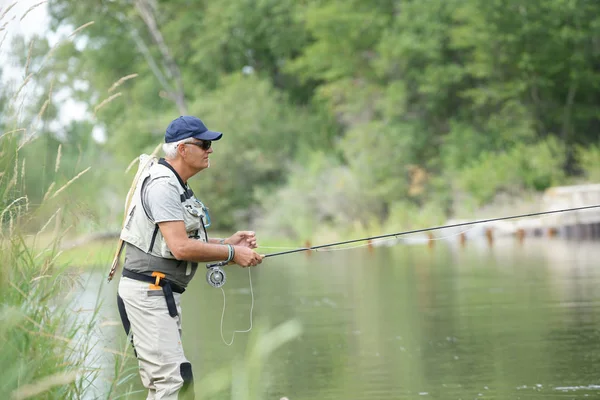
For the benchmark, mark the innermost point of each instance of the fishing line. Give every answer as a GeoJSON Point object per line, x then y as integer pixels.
{"type": "Point", "coordinates": [251, 310]}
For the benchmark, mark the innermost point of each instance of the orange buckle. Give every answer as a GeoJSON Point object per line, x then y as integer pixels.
{"type": "Point", "coordinates": [159, 276]}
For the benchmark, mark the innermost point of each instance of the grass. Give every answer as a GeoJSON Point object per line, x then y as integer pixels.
{"type": "Point", "coordinates": [45, 346]}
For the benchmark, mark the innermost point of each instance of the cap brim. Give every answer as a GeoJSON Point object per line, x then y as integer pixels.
{"type": "Point", "coordinates": [208, 135]}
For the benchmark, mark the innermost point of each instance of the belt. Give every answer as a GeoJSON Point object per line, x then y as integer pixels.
{"type": "Point", "coordinates": [167, 286]}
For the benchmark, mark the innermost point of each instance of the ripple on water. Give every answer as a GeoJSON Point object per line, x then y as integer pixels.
{"type": "Point", "coordinates": [576, 388]}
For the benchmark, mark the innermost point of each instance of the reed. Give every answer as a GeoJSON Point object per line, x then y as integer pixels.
{"type": "Point", "coordinates": [31, 9]}
{"type": "Point", "coordinates": [120, 81]}
{"type": "Point", "coordinates": [106, 101]}
{"type": "Point", "coordinates": [46, 348]}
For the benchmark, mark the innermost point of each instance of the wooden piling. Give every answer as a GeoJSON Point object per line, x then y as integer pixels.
{"type": "Point", "coordinates": [489, 235]}
{"type": "Point", "coordinates": [430, 241]}
{"type": "Point", "coordinates": [520, 235]}
{"type": "Point", "coordinates": [307, 245]}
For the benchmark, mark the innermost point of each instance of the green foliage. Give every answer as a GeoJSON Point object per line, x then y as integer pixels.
{"type": "Point", "coordinates": [306, 209]}
{"type": "Point", "coordinates": [589, 160]}
{"type": "Point", "coordinates": [344, 34]}
{"type": "Point", "coordinates": [261, 134]}
{"type": "Point", "coordinates": [406, 215]}
{"type": "Point", "coordinates": [412, 101]}
{"type": "Point", "coordinates": [260, 34]}
{"type": "Point", "coordinates": [536, 167]}
{"type": "Point", "coordinates": [379, 157]}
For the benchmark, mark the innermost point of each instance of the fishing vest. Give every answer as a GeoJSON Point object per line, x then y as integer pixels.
{"type": "Point", "coordinates": [140, 230]}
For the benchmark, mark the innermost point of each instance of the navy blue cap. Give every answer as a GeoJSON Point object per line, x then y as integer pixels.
{"type": "Point", "coordinates": [186, 127]}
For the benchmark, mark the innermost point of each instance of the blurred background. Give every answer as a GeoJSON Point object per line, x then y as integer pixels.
{"type": "Point", "coordinates": [341, 119]}
{"type": "Point", "coordinates": [338, 116]}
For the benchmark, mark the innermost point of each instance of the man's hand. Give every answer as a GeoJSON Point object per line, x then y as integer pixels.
{"type": "Point", "coordinates": [246, 257]}
{"type": "Point", "coordinates": [242, 238]}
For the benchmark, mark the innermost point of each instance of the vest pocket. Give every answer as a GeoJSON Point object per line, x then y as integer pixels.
{"type": "Point", "coordinates": [130, 218]}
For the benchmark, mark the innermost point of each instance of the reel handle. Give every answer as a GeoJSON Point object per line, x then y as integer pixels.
{"type": "Point", "coordinates": [217, 264]}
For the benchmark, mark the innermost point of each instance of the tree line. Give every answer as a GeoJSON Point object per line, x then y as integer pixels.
{"type": "Point", "coordinates": [337, 114]}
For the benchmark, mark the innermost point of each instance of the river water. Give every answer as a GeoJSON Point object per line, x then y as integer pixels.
{"type": "Point", "coordinates": [479, 321]}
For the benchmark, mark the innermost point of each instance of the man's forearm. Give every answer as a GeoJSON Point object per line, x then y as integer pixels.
{"type": "Point", "coordinates": [197, 251]}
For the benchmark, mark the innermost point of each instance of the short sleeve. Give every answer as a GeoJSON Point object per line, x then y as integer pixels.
{"type": "Point", "coordinates": [162, 201]}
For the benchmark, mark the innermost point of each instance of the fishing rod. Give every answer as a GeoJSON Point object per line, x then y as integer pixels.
{"type": "Point", "coordinates": [215, 276]}
{"type": "Point", "coordinates": [388, 235]}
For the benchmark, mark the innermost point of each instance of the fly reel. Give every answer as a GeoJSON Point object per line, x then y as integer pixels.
{"type": "Point", "coordinates": [215, 276]}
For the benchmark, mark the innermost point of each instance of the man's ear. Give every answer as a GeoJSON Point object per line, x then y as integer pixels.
{"type": "Point", "coordinates": [181, 149]}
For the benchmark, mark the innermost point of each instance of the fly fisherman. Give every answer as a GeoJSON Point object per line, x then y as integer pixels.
{"type": "Point", "coordinates": [165, 238]}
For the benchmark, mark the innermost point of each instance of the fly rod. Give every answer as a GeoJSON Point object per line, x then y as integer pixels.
{"type": "Point", "coordinates": [215, 275]}
{"type": "Point", "coordinates": [388, 235]}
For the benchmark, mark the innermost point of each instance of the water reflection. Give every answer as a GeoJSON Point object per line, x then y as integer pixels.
{"type": "Point", "coordinates": [448, 322]}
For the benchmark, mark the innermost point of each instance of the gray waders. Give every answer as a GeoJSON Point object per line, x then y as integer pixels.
{"type": "Point", "coordinates": [151, 314]}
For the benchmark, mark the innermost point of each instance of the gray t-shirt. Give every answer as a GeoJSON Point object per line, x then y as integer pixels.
{"type": "Point", "coordinates": [161, 201]}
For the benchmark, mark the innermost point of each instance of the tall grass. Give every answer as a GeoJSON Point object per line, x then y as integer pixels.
{"type": "Point", "coordinates": [45, 346]}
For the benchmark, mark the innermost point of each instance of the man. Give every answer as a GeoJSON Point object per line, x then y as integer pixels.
{"type": "Point", "coordinates": [165, 237]}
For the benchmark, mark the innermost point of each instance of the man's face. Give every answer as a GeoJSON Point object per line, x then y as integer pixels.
{"type": "Point", "coordinates": [198, 153]}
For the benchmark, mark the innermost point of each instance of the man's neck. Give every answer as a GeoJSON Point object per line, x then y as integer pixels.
{"type": "Point", "coordinates": [181, 168]}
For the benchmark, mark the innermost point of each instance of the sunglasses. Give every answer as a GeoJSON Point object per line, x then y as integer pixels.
{"type": "Point", "coordinates": [203, 144]}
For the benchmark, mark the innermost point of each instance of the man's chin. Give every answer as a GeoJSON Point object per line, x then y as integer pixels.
{"type": "Point", "coordinates": [204, 165]}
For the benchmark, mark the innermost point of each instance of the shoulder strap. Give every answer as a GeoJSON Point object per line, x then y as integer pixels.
{"type": "Point", "coordinates": [187, 192]}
